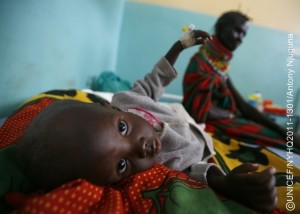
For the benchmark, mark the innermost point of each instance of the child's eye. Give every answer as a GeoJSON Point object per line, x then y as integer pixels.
{"type": "Point", "coordinates": [122, 166]}
{"type": "Point", "coordinates": [123, 127]}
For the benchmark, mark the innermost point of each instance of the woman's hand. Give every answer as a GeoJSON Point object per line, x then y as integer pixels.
{"type": "Point", "coordinates": [254, 189]}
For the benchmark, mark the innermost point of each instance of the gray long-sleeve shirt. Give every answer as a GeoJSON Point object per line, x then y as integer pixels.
{"type": "Point", "coordinates": [184, 143]}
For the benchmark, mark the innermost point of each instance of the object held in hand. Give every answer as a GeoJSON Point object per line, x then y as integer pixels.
{"type": "Point", "coordinates": [188, 38]}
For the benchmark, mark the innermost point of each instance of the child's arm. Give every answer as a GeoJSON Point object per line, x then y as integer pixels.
{"type": "Point", "coordinates": [254, 189]}
{"type": "Point", "coordinates": [150, 89]}
{"type": "Point", "coordinates": [163, 72]}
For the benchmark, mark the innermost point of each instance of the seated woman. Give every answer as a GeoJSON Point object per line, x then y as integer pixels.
{"type": "Point", "coordinates": [210, 96]}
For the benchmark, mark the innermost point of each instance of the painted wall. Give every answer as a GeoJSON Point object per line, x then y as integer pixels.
{"type": "Point", "coordinates": [148, 30]}
{"type": "Point", "coordinates": [54, 44]}
{"type": "Point", "coordinates": [65, 43]}
{"type": "Point", "coordinates": [276, 14]}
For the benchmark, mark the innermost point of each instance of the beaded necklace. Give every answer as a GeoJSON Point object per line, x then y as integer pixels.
{"type": "Point", "coordinates": [215, 54]}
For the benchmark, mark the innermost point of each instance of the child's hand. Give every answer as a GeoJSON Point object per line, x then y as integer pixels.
{"type": "Point", "coordinates": [194, 37]}
{"type": "Point", "coordinates": [256, 190]}
{"type": "Point", "coordinates": [201, 36]}
{"type": "Point", "coordinates": [190, 38]}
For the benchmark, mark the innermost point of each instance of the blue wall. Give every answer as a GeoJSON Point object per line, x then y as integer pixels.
{"type": "Point", "coordinates": [64, 44]}
{"type": "Point", "coordinates": [259, 64]}
{"type": "Point", "coordinates": [54, 44]}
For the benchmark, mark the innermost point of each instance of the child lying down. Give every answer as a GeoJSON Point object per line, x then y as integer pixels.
{"type": "Point", "coordinates": [108, 142]}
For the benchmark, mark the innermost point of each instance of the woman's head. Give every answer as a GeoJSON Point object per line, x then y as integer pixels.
{"type": "Point", "coordinates": [230, 28]}
{"type": "Point", "coordinates": [71, 139]}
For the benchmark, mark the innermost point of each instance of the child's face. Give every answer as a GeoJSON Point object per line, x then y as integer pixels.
{"type": "Point", "coordinates": [122, 144]}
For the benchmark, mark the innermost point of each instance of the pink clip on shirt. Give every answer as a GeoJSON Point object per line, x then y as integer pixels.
{"type": "Point", "coordinates": [150, 118]}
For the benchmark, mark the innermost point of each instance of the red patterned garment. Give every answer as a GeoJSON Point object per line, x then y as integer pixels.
{"type": "Point", "coordinates": [247, 131]}
{"type": "Point", "coordinates": [205, 84]}
{"type": "Point", "coordinates": [135, 194]}
{"type": "Point", "coordinates": [157, 190]}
